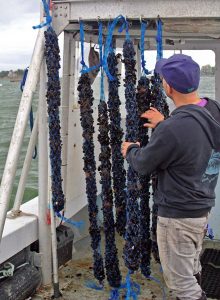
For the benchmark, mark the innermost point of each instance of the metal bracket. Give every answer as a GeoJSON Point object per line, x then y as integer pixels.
{"type": "Point", "coordinates": [60, 14]}
{"type": "Point", "coordinates": [35, 259]}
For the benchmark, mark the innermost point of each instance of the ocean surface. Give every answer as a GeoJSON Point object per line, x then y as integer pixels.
{"type": "Point", "coordinates": [10, 96]}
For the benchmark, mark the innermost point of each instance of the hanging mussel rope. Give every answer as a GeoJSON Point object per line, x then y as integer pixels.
{"type": "Point", "coordinates": [111, 260]}
{"type": "Point", "coordinates": [158, 100]}
{"type": "Point", "coordinates": [52, 54]}
{"type": "Point", "coordinates": [132, 236]}
{"type": "Point", "coordinates": [143, 98]}
{"type": "Point", "coordinates": [86, 102]}
{"type": "Point", "coordinates": [143, 102]}
{"type": "Point", "coordinates": [116, 135]}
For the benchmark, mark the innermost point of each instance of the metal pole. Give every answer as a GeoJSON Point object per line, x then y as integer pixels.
{"type": "Point", "coordinates": [217, 73]}
{"type": "Point", "coordinates": [44, 227]}
{"type": "Point", "coordinates": [64, 112]}
{"type": "Point", "coordinates": [19, 129]}
{"type": "Point", "coordinates": [56, 287]}
{"type": "Point", "coordinates": [25, 170]}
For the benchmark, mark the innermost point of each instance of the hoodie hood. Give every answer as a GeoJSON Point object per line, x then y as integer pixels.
{"type": "Point", "coordinates": [208, 123]}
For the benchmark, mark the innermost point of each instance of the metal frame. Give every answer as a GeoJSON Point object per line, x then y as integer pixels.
{"type": "Point", "coordinates": [19, 129]}
{"type": "Point", "coordinates": [89, 10]}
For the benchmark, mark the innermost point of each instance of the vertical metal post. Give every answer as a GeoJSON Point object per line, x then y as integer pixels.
{"type": "Point", "coordinates": [64, 112]}
{"type": "Point", "coordinates": [56, 286]}
{"type": "Point", "coordinates": [138, 60]}
{"type": "Point", "coordinates": [19, 129]}
{"type": "Point", "coordinates": [217, 73]}
{"type": "Point", "coordinates": [75, 74]}
{"type": "Point", "coordinates": [25, 169]}
{"type": "Point", "coordinates": [44, 227]}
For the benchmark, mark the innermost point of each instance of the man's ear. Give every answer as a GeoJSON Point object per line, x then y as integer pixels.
{"type": "Point", "coordinates": [169, 89]}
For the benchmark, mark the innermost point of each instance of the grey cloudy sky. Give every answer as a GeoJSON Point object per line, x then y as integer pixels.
{"type": "Point", "coordinates": [17, 38]}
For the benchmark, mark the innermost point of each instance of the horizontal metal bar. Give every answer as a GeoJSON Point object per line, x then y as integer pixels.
{"type": "Point", "coordinates": [90, 10]}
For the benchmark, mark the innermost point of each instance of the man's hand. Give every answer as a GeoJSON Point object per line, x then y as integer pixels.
{"type": "Point", "coordinates": [124, 147]}
{"type": "Point", "coordinates": [153, 116]}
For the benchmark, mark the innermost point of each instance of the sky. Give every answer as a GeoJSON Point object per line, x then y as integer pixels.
{"type": "Point", "coordinates": [17, 38]}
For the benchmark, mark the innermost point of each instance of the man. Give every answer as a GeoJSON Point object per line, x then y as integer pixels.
{"type": "Point", "coordinates": [185, 152]}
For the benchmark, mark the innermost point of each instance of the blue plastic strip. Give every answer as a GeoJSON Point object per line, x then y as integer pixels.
{"type": "Point", "coordinates": [22, 83]}
{"type": "Point", "coordinates": [159, 40]}
{"type": "Point", "coordinates": [48, 16]}
{"type": "Point", "coordinates": [143, 61]}
{"type": "Point", "coordinates": [85, 68]}
{"type": "Point", "coordinates": [93, 285]}
{"type": "Point", "coordinates": [81, 30]}
{"type": "Point", "coordinates": [210, 232]}
{"type": "Point", "coordinates": [31, 116]}
{"type": "Point", "coordinates": [79, 224]}
{"type": "Point", "coordinates": [114, 294]}
{"type": "Point", "coordinates": [108, 43]}
{"type": "Point", "coordinates": [133, 289]}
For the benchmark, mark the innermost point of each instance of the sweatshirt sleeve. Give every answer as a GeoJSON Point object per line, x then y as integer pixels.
{"type": "Point", "coordinates": [159, 152]}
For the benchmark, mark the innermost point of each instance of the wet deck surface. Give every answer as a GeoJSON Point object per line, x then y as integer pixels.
{"type": "Point", "coordinates": [75, 274]}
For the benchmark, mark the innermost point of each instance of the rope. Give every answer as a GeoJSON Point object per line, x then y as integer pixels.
{"type": "Point", "coordinates": [48, 16]}
{"type": "Point", "coordinates": [31, 116]}
{"type": "Point", "coordinates": [143, 61]}
{"type": "Point", "coordinates": [102, 90]}
{"type": "Point", "coordinates": [87, 122]}
{"type": "Point", "coordinates": [116, 135]}
{"type": "Point", "coordinates": [159, 39]}
{"type": "Point", "coordinates": [132, 246]}
{"type": "Point", "coordinates": [53, 103]}
{"type": "Point", "coordinates": [108, 43]}
{"type": "Point", "coordinates": [133, 289]}
{"type": "Point", "coordinates": [78, 225]}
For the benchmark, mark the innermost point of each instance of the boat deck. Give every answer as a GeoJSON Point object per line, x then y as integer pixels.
{"type": "Point", "coordinates": [75, 274]}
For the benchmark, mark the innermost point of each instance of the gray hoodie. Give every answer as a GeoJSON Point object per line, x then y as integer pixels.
{"type": "Point", "coordinates": [185, 152]}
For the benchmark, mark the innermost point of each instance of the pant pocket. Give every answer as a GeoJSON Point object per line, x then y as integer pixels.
{"type": "Point", "coordinates": [186, 242]}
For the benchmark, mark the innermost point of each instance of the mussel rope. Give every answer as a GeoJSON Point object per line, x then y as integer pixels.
{"type": "Point", "coordinates": [52, 54]}
{"type": "Point", "coordinates": [86, 112]}
{"type": "Point", "coordinates": [116, 135]}
{"type": "Point", "coordinates": [158, 100]}
{"type": "Point", "coordinates": [132, 237]}
{"type": "Point", "coordinates": [111, 259]}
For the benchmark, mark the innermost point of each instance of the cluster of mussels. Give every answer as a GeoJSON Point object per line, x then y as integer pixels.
{"type": "Point", "coordinates": [132, 246]}
{"type": "Point", "coordinates": [116, 135]}
{"type": "Point", "coordinates": [86, 112]}
{"type": "Point", "coordinates": [111, 259]}
{"type": "Point", "coordinates": [143, 98]}
{"type": "Point", "coordinates": [158, 100]}
{"type": "Point", "coordinates": [52, 54]}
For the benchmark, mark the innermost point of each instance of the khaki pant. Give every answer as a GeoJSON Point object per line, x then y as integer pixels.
{"type": "Point", "coordinates": [180, 244]}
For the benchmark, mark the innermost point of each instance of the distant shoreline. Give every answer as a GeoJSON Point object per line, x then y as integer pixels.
{"type": "Point", "coordinates": [17, 79]}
